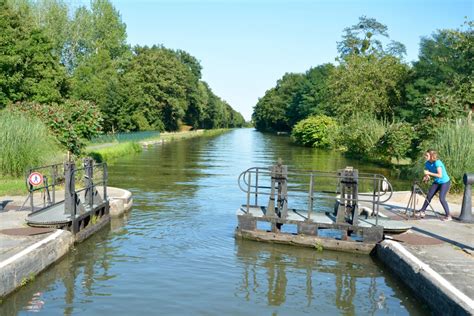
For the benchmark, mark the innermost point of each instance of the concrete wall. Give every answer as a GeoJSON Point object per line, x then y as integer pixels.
{"type": "Point", "coordinates": [441, 296]}
{"type": "Point", "coordinates": [26, 264]}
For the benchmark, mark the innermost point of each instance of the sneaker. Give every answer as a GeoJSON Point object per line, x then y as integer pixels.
{"type": "Point", "coordinates": [420, 214]}
{"type": "Point", "coordinates": [447, 219]}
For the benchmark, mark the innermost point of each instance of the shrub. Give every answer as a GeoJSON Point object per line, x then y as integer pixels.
{"type": "Point", "coordinates": [316, 131]}
{"type": "Point", "coordinates": [71, 122]}
{"type": "Point", "coordinates": [24, 142]}
{"type": "Point", "coordinates": [396, 141]}
{"type": "Point", "coordinates": [360, 135]}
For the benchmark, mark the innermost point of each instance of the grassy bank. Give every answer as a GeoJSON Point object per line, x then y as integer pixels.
{"type": "Point", "coordinates": [107, 154]}
{"type": "Point", "coordinates": [12, 186]}
{"type": "Point", "coordinates": [109, 151]}
{"type": "Point", "coordinates": [183, 135]}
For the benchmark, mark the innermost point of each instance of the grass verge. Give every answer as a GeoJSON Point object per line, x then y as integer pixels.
{"type": "Point", "coordinates": [107, 154]}
{"type": "Point", "coordinates": [12, 186]}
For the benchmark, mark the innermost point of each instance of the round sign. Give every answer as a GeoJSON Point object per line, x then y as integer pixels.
{"type": "Point", "coordinates": [35, 178]}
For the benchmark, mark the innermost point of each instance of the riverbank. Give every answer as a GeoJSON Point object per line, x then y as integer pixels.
{"type": "Point", "coordinates": [26, 251]}
{"type": "Point", "coordinates": [109, 151]}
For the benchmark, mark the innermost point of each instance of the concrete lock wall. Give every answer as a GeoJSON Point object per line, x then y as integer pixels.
{"type": "Point", "coordinates": [21, 267]}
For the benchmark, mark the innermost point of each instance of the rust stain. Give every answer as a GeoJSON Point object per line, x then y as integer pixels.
{"type": "Point", "coordinates": [26, 231]}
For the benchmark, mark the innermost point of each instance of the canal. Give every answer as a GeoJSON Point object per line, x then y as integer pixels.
{"type": "Point", "coordinates": [175, 252]}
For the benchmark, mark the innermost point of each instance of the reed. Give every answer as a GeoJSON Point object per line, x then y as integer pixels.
{"type": "Point", "coordinates": [454, 143]}
{"type": "Point", "coordinates": [24, 142]}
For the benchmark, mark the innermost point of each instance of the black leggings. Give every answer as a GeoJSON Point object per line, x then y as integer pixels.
{"type": "Point", "coordinates": [443, 189]}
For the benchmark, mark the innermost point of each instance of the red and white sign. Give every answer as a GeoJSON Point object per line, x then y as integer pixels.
{"type": "Point", "coordinates": [35, 178]}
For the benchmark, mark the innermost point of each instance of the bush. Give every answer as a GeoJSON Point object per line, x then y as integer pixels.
{"type": "Point", "coordinates": [24, 143]}
{"type": "Point", "coordinates": [71, 122]}
{"type": "Point", "coordinates": [360, 135]}
{"type": "Point", "coordinates": [396, 141]}
{"type": "Point", "coordinates": [315, 131]}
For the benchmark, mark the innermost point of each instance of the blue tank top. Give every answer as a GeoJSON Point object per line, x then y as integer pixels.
{"type": "Point", "coordinates": [433, 167]}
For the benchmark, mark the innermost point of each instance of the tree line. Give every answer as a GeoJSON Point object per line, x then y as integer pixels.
{"type": "Point", "coordinates": [53, 56]}
{"type": "Point", "coordinates": [371, 85]}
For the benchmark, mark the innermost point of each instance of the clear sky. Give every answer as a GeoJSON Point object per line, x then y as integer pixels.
{"type": "Point", "coordinates": [245, 46]}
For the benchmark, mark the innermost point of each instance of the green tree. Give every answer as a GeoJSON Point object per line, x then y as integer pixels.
{"type": "Point", "coordinates": [368, 84]}
{"type": "Point", "coordinates": [441, 84]}
{"type": "Point", "coordinates": [29, 70]}
{"type": "Point", "coordinates": [363, 38]}
{"type": "Point", "coordinates": [280, 108]}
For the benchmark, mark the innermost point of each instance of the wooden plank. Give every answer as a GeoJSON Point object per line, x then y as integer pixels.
{"type": "Point", "coordinates": [307, 241]}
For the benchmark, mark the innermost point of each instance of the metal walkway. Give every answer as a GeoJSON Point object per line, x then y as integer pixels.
{"type": "Point", "coordinates": [80, 207]}
{"type": "Point", "coordinates": [357, 199]}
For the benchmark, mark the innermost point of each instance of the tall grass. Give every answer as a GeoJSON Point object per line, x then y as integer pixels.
{"type": "Point", "coordinates": [24, 142]}
{"type": "Point", "coordinates": [107, 154]}
{"type": "Point", "coordinates": [454, 143]}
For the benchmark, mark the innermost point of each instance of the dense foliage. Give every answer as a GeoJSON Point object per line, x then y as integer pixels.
{"type": "Point", "coordinates": [71, 122]}
{"type": "Point", "coordinates": [385, 107]}
{"type": "Point", "coordinates": [59, 59]}
{"type": "Point", "coordinates": [315, 131]}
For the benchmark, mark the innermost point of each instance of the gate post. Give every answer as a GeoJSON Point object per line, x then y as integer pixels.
{"type": "Point", "coordinates": [88, 176]}
{"type": "Point", "coordinates": [70, 190]}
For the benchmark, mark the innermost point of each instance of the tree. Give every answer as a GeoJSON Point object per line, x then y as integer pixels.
{"type": "Point", "coordinates": [441, 82]}
{"type": "Point", "coordinates": [363, 38]}
{"type": "Point", "coordinates": [29, 70]}
{"type": "Point", "coordinates": [280, 108]}
{"type": "Point", "coordinates": [368, 84]}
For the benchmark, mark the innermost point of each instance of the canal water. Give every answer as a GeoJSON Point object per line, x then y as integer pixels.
{"type": "Point", "coordinates": [175, 252]}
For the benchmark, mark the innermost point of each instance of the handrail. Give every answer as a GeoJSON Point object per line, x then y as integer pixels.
{"type": "Point", "coordinates": [379, 180]}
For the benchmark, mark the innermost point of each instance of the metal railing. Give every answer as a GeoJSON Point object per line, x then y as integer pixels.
{"type": "Point", "coordinates": [67, 176]}
{"type": "Point", "coordinates": [72, 195]}
{"type": "Point", "coordinates": [55, 172]}
{"type": "Point", "coordinates": [309, 184]}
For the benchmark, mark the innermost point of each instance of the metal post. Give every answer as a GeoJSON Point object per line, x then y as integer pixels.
{"type": "Point", "coordinates": [54, 174]}
{"type": "Point", "coordinates": [248, 192]}
{"type": "Point", "coordinates": [271, 201]}
{"type": "Point", "coordinates": [70, 190]}
{"type": "Point", "coordinates": [355, 197]}
{"type": "Point", "coordinates": [283, 203]}
{"type": "Point", "coordinates": [466, 208]}
{"type": "Point", "coordinates": [310, 197]}
{"type": "Point", "coordinates": [105, 178]}
{"type": "Point", "coordinates": [378, 204]}
{"type": "Point", "coordinates": [256, 187]}
{"type": "Point", "coordinates": [88, 176]}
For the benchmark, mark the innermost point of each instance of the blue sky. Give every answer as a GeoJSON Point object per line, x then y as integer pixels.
{"type": "Point", "coordinates": [245, 46]}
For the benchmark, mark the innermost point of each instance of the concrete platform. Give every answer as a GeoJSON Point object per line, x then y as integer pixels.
{"type": "Point", "coordinates": [22, 257]}
{"type": "Point", "coordinates": [440, 273]}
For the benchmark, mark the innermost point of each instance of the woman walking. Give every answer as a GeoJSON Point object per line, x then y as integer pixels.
{"type": "Point", "coordinates": [435, 168]}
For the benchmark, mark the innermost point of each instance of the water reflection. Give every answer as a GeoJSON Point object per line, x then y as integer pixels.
{"type": "Point", "coordinates": [175, 252]}
{"type": "Point", "coordinates": [87, 264]}
{"type": "Point", "coordinates": [332, 282]}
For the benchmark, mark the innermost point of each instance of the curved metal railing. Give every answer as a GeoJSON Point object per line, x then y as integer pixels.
{"type": "Point", "coordinates": [305, 184]}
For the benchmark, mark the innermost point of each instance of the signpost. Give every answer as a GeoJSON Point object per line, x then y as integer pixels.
{"type": "Point", "coordinates": [35, 178]}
